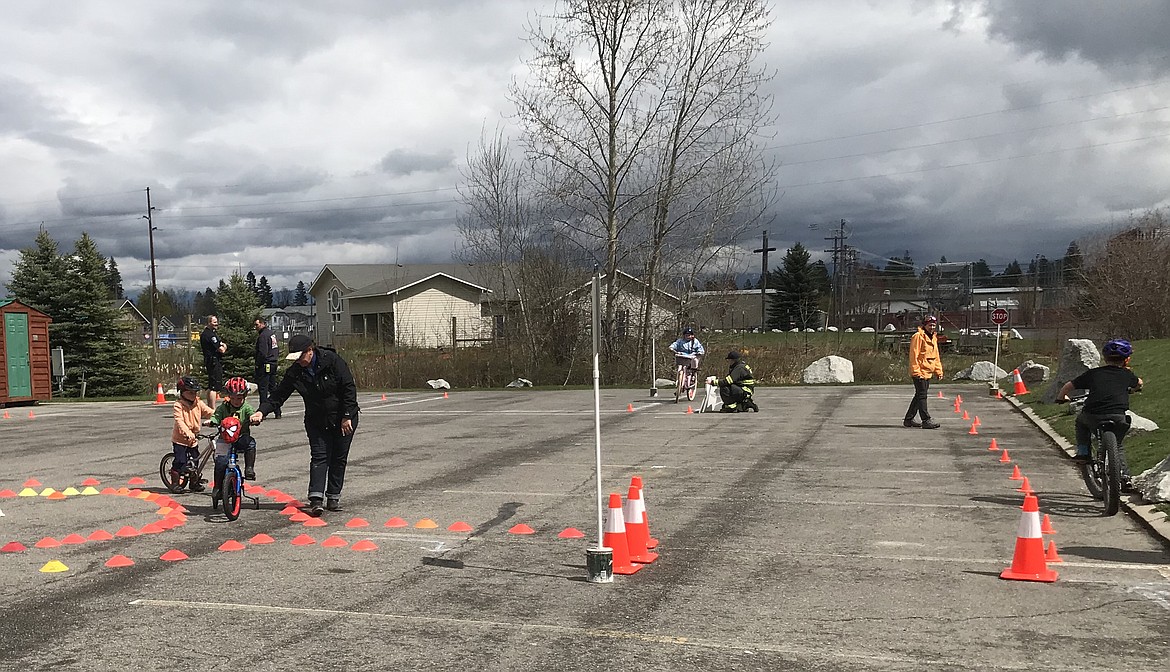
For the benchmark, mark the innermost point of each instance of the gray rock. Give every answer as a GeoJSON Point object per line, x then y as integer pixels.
{"type": "Point", "coordinates": [1153, 484]}
{"type": "Point", "coordinates": [663, 382]}
{"type": "Point", "coordinates": [867, 330]}
{"type": "Point", "coordinates": [1016, 335]}
{"type": "Point", "coordinates": [983, 371]}
{"type": "Point", "coordinates": [831, 369]}
{"type": "Point", "coordinates": [1079, 355]}
{"type": "Point", "coordinates": [439, 384]}
{"type": "Point", "coordinates": [1031, 372]}
{"type": "Point", "coordinates": [849, 330]}
{"type": "Point", "coordinates": [890, 327]}
{"type": "Point", "coordinates": [1140, 424]}
{"type": "Point", "coordinates": [520, 382]}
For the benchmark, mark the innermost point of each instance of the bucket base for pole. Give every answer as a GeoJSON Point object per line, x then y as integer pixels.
{"type": "Point", "coordinates": [654, 391]}
{"type": "Point", "coordinates": [599, 564]}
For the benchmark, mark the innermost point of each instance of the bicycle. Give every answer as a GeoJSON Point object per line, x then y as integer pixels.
{"type": "Point", "coordinates": [232, 488]}
{"type": "Point", "coordinates": [194, 471]}
{"type": "Point", "coordinates": [1102, 471]}
{"type": "Point", "coordinates": [686, 375]}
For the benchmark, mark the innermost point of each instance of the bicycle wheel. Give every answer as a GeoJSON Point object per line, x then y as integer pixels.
{"type": "Point", "coordinates": [1112, 476]}
{"type": "Point", "coordinates": [692, 386]}
{"type": "Point", "coordinates": [174, 485]}
{"type": "Point", "coordinates": [1092, 472]}
{"type": "Point", "coordinates": [679, 384]}
{"type": "Point", "coordinates": [231, 494]}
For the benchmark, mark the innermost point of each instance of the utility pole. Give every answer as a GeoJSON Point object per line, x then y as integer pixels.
{"type": "Point", "coordinates": [838, 239]}
{"type": "Point", "coordinates": [153, 278]}
{"type": "Point", "coordinates": [764, 283]}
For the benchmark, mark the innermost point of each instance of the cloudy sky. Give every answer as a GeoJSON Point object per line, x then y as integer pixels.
{"type": "Point", "coordinates": [276, 137]}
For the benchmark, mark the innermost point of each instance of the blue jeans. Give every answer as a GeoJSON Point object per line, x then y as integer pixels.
{"type": "Point", "coordinates": [246, 445]}
{"type": "Point", "coordinates": [182, 455]}
{"type": "Point", "coordinates": [329, 453]}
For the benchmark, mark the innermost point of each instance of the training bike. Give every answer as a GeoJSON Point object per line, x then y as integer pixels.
{"type": "Point", "coordinates": [686, 375]}
{"type": "Point", "coordinates": [192, 476]}
{"type": "Point", "coordinates": [1102, 472]}
{"type": "Point", "coordinates": [232, 488]}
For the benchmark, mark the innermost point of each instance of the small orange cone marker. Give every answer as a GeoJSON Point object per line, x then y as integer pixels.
{"type": "Point", "coordinates": [1004, 456]}
{"type": "Point", "coordinates": [13, 547]}
{"type": "Point", "coordinates": [690, 410]}
{"type": "Point", "coordinates": [100, 535]}
{"type": "Point", "coordinates": [1028, 559]}
{"type": "Point", "coordinates": [364, 545]}
{"type": "Point", "coordinates": [426, 524]}
{"type": "Point", "coordinates": [940, 395]}
{"type": "Point", "coordinates": [231, 545]}
{"type": "Point", "coordinates": [571, 533]}
{"type": "Point", "coordinates": [334, 541]}
{"type": "Point", "coordinates": [159, 397]}
{"type": "Point", "coordinates": [396, 522]}
{"type": "Point", "coordinates": [303, 540]}
{"type": "Point", "coordinates": [7, 493]}
{"type": "Point", "coordinates": [47, 542]}
{"type": "Point", "coordinates": [615, 537]}
{"type": "Point", "coordinates": [33, 416]}
{"type": "Point", "coordinates": [637, 534]}
{"type": "Point", "coordinates": [629, 408]}
{"type": "Point", "coordinates": [1025, 487]}
{"type": "Point", "coordinates": [358, 522]}
{"type": "Point", "coordinates": [636, 481]}
{"type": "Point", "coordinates": [973, 430]}
{"type": "Point", "coordinates": [994, 446]}
{"type": "Point", "coordinates": [1050, 555]}
{"type": "Point", "coordinates": [119, 561]}
{"type": "Point", "coordinates": [521, 528]}
{"type": "Point", "coordinates": [459, 526]}
{"type": "Point", "coordinates": [1020, 389]}
{"type": "Point", "coordinates": [73, 539]}
{"type": "Point", "coordinates": [1016, 475]}
{"type": "Point", "coordinates": [32, 483]}
{"type": "Point", "coordinates": [1045, 526]}
{"type": "Point", "coordinates": [173, 555]}
{"type": "Point", "coordinates": [315, 522]}
{"type": "Point", "coordinates": [965, 416]}
{"type": "Point", "coordinates": [444, 395]}
{"type": "Point", "coordinates": [261, 539]}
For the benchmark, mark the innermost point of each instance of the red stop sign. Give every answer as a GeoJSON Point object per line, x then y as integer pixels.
{"type": "Point", "coordinates": [999, 316]}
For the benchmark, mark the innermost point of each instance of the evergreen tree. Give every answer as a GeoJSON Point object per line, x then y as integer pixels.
{"type": "Point", "coordinates": [95, 346]}
{"type": "Point", "coordinates": [301, 296]}
{"type": "Point", "coordinates": [899, 273]}
{"type": "Point", "coordinates": [796, 298]}
{"type": "Point", "coordinates": [282, 298]}
{"type": "Point", "coordinates": [114, 280]}
{"type": "Point", "coordinates": [1071, 265]}
{"type": "Point", "coordinates": [264, 292]}
{"type": "Point", "coordinates": [981, 274]}
{"type": "Point", "coordinates": [38, 277]}
{"type": "Point", "coordinates": [1012, 275]}
{"type": "Point", "coordinates": [237, 308]}
{"type": "Point", "coordinates": [251, 282]}
{"type": "Point", "coordinates": [204, 304]}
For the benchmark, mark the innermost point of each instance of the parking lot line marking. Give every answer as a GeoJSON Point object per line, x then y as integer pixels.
{"type": "Point", "coordinates": [589, 633]}
{"type": "Point", "coordinates": [1135, 566]}
{"type": "Point", "coordinates": [707, 466]}
{"type": "Point", "coordinates": [658, 497]}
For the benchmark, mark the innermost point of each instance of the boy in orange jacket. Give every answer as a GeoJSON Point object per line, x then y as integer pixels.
{"type": "Point", "coordinates": [190, 412]}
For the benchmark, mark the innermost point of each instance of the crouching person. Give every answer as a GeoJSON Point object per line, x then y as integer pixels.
{"type": "Point", "coordinates": [735, 389]}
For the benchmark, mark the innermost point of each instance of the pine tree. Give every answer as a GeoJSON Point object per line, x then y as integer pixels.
{"type": "Point", "coordinates": [237, 307]}
{"type": "Point", "coordinates": [251, 282]}
{"type": "Point", "coordinates": [301, 296]}
{"type": "Point", "coordinates": [796, 297]}
{"type": "Point", "coordinates": [204, 304]}
{"type": "Point", "coordinates": [981, 274]}
{"type": "Point", "coordinates": [95, 346]}
{"type": "Point", "coordinates": [114, 280]}
{"type": "Point", "coordinates": [1072, 265]}
{"type": "Point", "coordinates": [38, 277]}
{"type": "Point", "coordinates": [264, 292]}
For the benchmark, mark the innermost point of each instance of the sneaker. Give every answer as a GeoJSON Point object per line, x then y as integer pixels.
{"type": "Point", "coordinates": [1127, 484]}
{"type": "Point", "coordinates": [216, 495]}
{"type": "Point", "coordinates": [249, 474]}
{"type": "Point", "coordinates": [316, 506]}
{"type": "Point", "coordinates": [929, 424]}
{"type": "Point", "coordinates": [1082, 458]}
{"type": "Point", "coordinates": [333, 504]}
{"type": "Point", "coordinates": [728, 409]}
{"type": "Point", "coordinates": [197, 485]}
{"type": "Point", "coordinates": [752, 406]}
{"type": "Point", "coordinates": [911, 423]}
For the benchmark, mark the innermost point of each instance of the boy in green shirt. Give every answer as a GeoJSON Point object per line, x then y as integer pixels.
{"type": "Point", "coordinates": [237, 390]}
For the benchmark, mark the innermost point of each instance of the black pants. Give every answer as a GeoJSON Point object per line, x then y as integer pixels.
{"type": "Point", "coordinates": [918, 403]}
{"type": "Point", "coordinates": [732, 395]}
{"type": "Point", "coordinates": [246, 445]}
{"type": "Point", "coordinates": [328, 455]}
{"type": "Point", "coordinates": [1087, 422]}
{"type": "Point", "coordinates": [266, 382]}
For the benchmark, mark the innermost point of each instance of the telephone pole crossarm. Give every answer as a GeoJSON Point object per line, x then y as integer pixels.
{"type": "Point", "coordinates": [764, 282]}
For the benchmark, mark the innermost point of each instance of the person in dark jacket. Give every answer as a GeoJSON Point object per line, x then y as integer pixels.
{"type": "Point", "coordinates": [324, 381]}
{"type": "Point", "coordinates": [213, 349]}
{"type": "Point", "coordinates": [735, 389]}
{"type": "Point", "coordinates": [267, 353]}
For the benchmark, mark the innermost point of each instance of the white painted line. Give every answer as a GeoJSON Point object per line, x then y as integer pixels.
{"type": "Point", "coordinates": [660, 497]}
{"type": "Point", "coordinates": [586, 633]}
{"type": "Point", "coordinates": [707, 466]}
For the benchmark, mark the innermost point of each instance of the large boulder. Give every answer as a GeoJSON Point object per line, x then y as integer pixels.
{"type": "Point", "coordinates": [439, 384]}
{"type": "Point", "coordinates": [867, 330]}
{"type": "Point", "coordinates": [664, 382]}
{"type": "Point", "coordinates": [1153, 484]}
{"type": "Point", "coordinates": [831, 369]}
{"type": "Point", "coordinates": [1015, 334]}
{"type": "Point", "coordinates": [1140, 424]}
{"type": "Point", "coordinates": [982, 371]}
{"type": "Point", "coordinates": [1079, 355]}
{"type": "Point", "coordinates": [890, 327]}
{"type": "Point", "coordinates": [1031, 372]}
{"type": "Point", "coordinates": [520, 382]}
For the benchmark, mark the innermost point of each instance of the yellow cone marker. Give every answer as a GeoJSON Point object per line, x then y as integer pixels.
{"type": "Point", "coordinates": [54, 566]}
{"type": "Point", "coordinates": [70, 491]}
{"type": "Point", "coordinates": [47, 491]}
{"type": "Point", "coordinates": [426, 524]}
{"type": "Point", "coordinates": [27, 492]}
{"type": "Point", "coordinates": [90, 490]}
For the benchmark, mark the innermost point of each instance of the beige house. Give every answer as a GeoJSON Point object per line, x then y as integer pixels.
{"type": "Point", "coordinates": [413, 305]}
{"type": "Point", "coordinates": [627, 310]}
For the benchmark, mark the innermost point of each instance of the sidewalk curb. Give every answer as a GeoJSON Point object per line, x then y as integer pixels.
{"type": "Point", "coordinates": [1146, 514]}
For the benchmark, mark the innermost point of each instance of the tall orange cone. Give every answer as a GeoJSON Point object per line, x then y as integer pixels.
{"type": "Point", "coordinates": [615, 537]}
{"type": "Point", "coordinates": [994, 446]}
{"type": "Point", "coordinates": [1016, 475]}
{"type": "Point", "coordinates": [690, 410]}
{"type": "Point", "coordinates": [977, 422]}
{"type": "Point", "coordinates": [159, 397]}
{"type": "Point", "coordinates": [6, 416]}
{"type": "Point", "coordinates": [637, 533]}
{"type": "Point", "coordinates": [1051, 555]}
{"type": "Point", "coordinates": [1020, 389]}
{"type": "Point", "coordinates": [636, 481]}
{"type": "Point", "coordinates": [1028, 561]}
{"type": "Point", "coordinates": [1025, 487]}
{"type": "Point", "coordinates": [383, 396]}
{"type": "Point", "coordinates": [1004, 456]}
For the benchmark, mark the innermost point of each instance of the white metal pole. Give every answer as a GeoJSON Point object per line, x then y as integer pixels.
{"type": "Point", "coordinates": [597, 397]}
{"type": "Point", "coordinates": [997, 330]}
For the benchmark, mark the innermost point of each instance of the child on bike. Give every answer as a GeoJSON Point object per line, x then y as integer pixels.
{"type": "Point", "coordinates": [235, 406]}
{"type": "Point", "coordinates": [688, 345]}
{"type": "Point", "coordinates": [1109, 387]}
{"type": "Point", "coordinates": [189, 413]}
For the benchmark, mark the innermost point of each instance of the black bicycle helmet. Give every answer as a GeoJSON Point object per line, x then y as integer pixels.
{"type": "Point", "coordinates": [236, 385]}
{"type": "Point", "coordinates": [1118, 348]}
{"type": "Point", "coordinates": [188, 384]}
{"type": "Point", "coordinates": [688, 332]}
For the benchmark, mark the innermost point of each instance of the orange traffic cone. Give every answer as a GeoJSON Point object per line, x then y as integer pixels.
{"type": "Point", "coordinates": [993, 446]}
{"type": "Point", "coordinates": [629, 408]}
{"type": "Point", "coordinates": [31, 415]}
{"type": "Point", "coordinates": [1051, 555]}
{"type": "Point", "coordinates": [977, 422]}
{"type": "Point", "coordinates": [1028, 560]}
{"type": "Point", "coordinates": [1025, 487]}
{"type": "Point", "coordinates": [636, 481]}
{"type": "Point", "coordinates": [973, 430]}
{"type": "Point", "coordinates": [999, 394]}
{"type": "Point", "coordinates": [1020, 389]}
{"type": "Point", "coordinates": [445, 396]}
{"type": "Point", "coordinates": [1016, 475]}
{"type": "Point", "coordinates": [383, 396]}
{"type": "Point", "coordinates": [615, 537]}
{"type": "Point", "coordinates": [637, 533]}
{"type": "Point", "coordinates": [159, 397]}
{"type": "Point", "coordinates": [6, 416]}
{"type": "Point", "coordinates": [957, 404]}
{"type": "Point", "coordinates": [959, 398]}
{"type": "Point", "coordinates": [1046, 526]}
{"type": "Point", "coordinates": [690, 410]}
{"type": "Point", "coordinates": [940, 395]}
{"type": "Point", "coordinates": [1004, 457]}
{"type": "Point", "coordinates": [965, 416]}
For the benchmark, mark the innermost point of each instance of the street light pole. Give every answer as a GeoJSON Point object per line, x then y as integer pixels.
{"type": "Point", "coordinates": [153, 278]}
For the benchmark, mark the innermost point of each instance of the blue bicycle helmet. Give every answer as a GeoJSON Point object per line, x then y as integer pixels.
{"type": "Point", "coordinates": [1118, 348]}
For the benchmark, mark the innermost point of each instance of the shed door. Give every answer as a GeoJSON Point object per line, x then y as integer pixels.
{"type": "Point", "coordinates": [16, 352]}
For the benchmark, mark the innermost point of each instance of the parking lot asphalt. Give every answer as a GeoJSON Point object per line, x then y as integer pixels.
{"type": "Point", "coordinates": [818, 534]}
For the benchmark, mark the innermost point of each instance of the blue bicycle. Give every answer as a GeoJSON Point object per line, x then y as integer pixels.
{"type": "Point", "coordinates": [232, 488]}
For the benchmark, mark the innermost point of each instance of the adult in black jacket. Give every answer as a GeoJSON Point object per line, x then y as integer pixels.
{"type": "Point", "coordinates": [324, 381]}
{"type": "Point", "coordinates": [213, 349]}
{"type": "Point", "coordinates": [267, 353]}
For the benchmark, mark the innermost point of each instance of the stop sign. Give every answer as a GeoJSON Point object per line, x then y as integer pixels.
{"type": "Point", "coordinates": [999, 316]}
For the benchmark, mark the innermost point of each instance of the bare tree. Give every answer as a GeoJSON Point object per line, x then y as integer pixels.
{"type": "Point", "coordinates": [1127, 279]}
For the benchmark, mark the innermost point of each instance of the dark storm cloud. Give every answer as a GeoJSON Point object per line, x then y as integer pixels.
{"type": "Point", "coordinates": [404, 162]}
{"type": "Point", "coordinates": [1133, 35]}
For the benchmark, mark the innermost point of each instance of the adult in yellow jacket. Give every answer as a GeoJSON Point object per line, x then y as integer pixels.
{"type": "Point", "coordinates": [924, 363]}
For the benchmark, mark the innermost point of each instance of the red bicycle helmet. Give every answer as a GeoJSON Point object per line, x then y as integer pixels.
{"type": "Point", "coordinates": [236, 385]}
{"type": "Point", "coordinates": [230, 429]}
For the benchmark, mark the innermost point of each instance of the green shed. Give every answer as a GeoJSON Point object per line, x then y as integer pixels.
{"type": "Point", "coordinates": [25, 370]}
